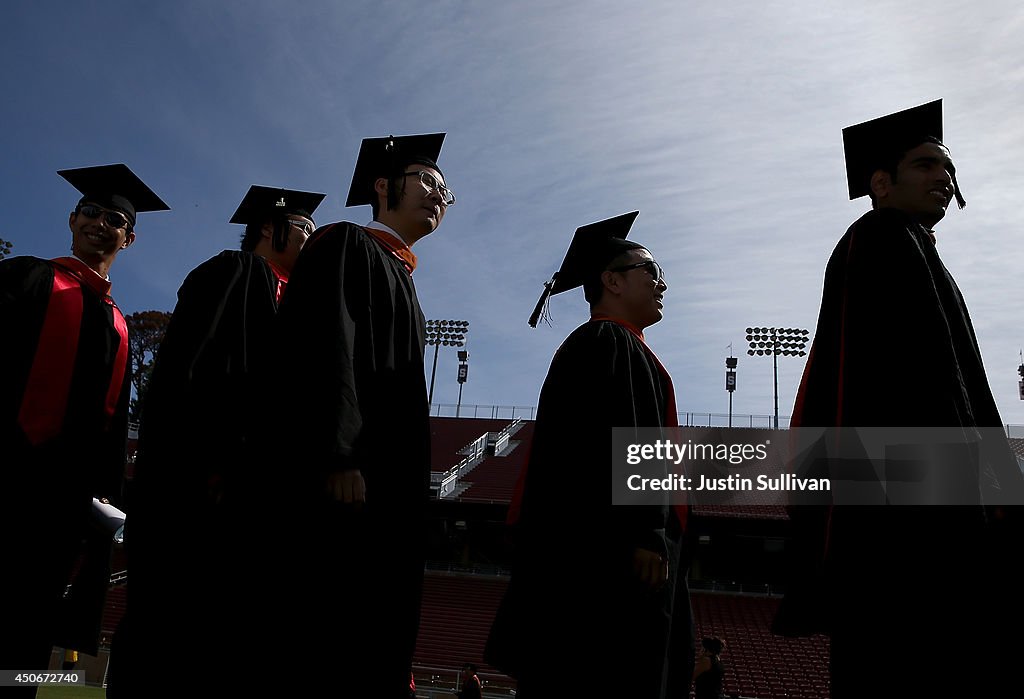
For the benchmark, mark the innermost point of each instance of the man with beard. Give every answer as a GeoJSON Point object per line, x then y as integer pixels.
{"type": "Point", "coordinates": [882, 558]}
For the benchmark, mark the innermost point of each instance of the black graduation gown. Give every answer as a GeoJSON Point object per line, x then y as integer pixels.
{"type": "Point", "coordinates": [352, 334]}
{"type": "Point", "coordinates": [192, 510]}
{"type": "Point", "coordinates": [48, 482]}
{"type": "Point", "coordinates": [573, 597]}
{"type": "Point", "coordinates": [195, 427]}
{"type": "Point", "coordinates": [894, 347]}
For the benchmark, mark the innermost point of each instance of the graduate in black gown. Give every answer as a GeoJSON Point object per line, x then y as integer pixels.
{"type": "Point", "coordinates": [63, 407]}
{"type": "Point", "coordinates": [195, 477]}
{"type": "Point", "coordinates": [354, 464]}
{"type": "Point", "coordinates": [597, 583]}
{"type": "Point", "coordinates": [901, 570]}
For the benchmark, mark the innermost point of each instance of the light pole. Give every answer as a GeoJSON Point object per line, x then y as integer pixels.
{"type": "Point", "coordinates": [789, 342]}
{"type": "Point", "coordinates": [730, 379]}
{"type": "Point", "coordinates": [463, 375]}
{"type": "Point", "coordinates": [1020, 370]}
{"type": "Point", "coordinates": [448, 333]}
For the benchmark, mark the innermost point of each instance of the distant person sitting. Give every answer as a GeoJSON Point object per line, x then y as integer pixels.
{"type": "Point", "coordinates": [471, 687]}
{"type": "Point", "coordinates": [709, 672]}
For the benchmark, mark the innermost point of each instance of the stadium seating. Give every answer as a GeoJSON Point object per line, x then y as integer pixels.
{"type": "Point", "coordinates": [455, 619]}
{"type": "Point", "coordinates": [113, 610]}
{"type": "Point", "coordinates": [494, 479]}
{"type": "Point", "coordinates": [458, 611]}
{"type": "Point", "coordinates": [758, 664]}
{"type": "Point", "coordinates": [449, 435]}
{"type": "Point", "coordinates": [1017, 444]}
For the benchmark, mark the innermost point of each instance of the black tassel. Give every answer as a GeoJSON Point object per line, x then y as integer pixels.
{"type": "Point", "coordinates": [540, 310]}
{"type": "Point", "coordinates": [956, 193]}
{"type": "Point", "coordinates": [393, 180]}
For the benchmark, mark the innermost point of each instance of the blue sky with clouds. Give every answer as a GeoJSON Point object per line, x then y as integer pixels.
{"type": "Point", "coordinates": [720, 122]}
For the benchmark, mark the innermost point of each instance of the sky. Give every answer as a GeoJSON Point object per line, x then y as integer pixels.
{"type": "Point", "coordinates": [720, 122]}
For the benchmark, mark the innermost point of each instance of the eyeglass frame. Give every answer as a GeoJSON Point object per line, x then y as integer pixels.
{"type": "Point", "coordinates": [302, 225]}
{"type": "Point", "coordinates": [441, 189]}
{"type": "Point", "coordinates": [105, 214]}
{"type": "Point", "coordinates": [652, 264]}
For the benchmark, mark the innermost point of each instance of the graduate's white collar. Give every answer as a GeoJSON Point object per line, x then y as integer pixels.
{"type": "Point", "coordinates": [378, 226]}
{"type": "Point", "coordinates": [106, 278]}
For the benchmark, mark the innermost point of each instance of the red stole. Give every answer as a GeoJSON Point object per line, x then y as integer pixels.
{"type": "Point", "coordinates": [45, 400]}
{"type": "Point", "coordinates": [282, 280]}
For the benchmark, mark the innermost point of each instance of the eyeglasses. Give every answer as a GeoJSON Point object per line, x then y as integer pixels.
{"type": "Point", "coordinates": [304, 226]}
{"type": "Point", "coordinates": [649, 266]}
{"type": "Point", "coordinates": [114, 219]}
{"type": "Point", "coordinates": [431, 183]}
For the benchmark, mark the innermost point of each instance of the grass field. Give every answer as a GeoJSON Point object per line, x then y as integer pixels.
{"type": "Point", "coordinates": [78, 692]}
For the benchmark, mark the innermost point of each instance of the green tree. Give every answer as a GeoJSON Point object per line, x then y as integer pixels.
{"type": "Point", "coordinates": [146, 330]}
{"type": "Point", "coordinates": [5, 248]}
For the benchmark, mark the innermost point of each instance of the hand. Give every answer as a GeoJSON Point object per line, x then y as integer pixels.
{"type": "Point", "coordinates": [214, 490]}
{"type": "Point", "coordinates": [702, 665]}
{"type": "Point", "coordinates": [347, 486]}
{"type": "Point", "coordinates": [650, 568]}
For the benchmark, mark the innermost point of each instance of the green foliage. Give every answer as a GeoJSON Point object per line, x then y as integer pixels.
{"type": "Point", "coordinates": [146, 330]}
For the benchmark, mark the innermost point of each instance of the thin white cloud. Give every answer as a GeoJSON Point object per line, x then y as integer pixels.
{"type": "Point", "coordinates": [719, 122]}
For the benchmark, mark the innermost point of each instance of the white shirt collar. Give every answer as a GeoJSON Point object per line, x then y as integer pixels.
{"type": "Point", "coordinates": [106, 278]}
{"type": "Point", "coordinates": [378, 226]}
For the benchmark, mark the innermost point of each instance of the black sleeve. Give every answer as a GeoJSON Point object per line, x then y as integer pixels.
{"type": "Point", "coordinates": [110, 482]}
{"type": "Point", "coordinates": [25, 284]}
{"type": "Point", "coordinates": [196, 395]}
{"type": "Point", "coordinates": [327, 318]}
{"type": "Point", "coordinates": [895, 337]}
{"type": "Point", "coordinates": [599, 379]}
{"type": "Point", "coordinates": [203, 300]}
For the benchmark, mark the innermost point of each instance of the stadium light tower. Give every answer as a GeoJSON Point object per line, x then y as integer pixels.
{"type": "Point", "coordinates": [789, 342]}
{"type": "Point", "coordinates": [450, 333]}
{"type": "Point", "coordinates": [730, 378]}
{"type": "Point", "coordinates": [1020, 370]}
{"type": "Point", "coordinates": [463, 375]}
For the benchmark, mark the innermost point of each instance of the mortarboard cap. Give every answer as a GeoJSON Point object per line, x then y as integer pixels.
{"type": "Point", "coordinates": [115, 187]}
{"type": "Point", "coordinates": [385, 157]}
{"type": "Point", "coordinates": [873, 144]}
{"type": "Point", "coordinates": [261, 203]}
{"type": "Point", "coordinates": [593, 246]}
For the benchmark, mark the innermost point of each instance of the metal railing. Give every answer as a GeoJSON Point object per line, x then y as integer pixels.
{"type": "Point", "coordinates": [739, 588]}
{"type": "Point", "coordinates": [529, 412]}
{"type": "Point", "coordinates": [448, 480]}
{"type": "Point", "coordinates": [738, 421]}
{"type": "Point", "coordinates": [484, 412]}
{"type": "Point", "coordinates": [686, 419]}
